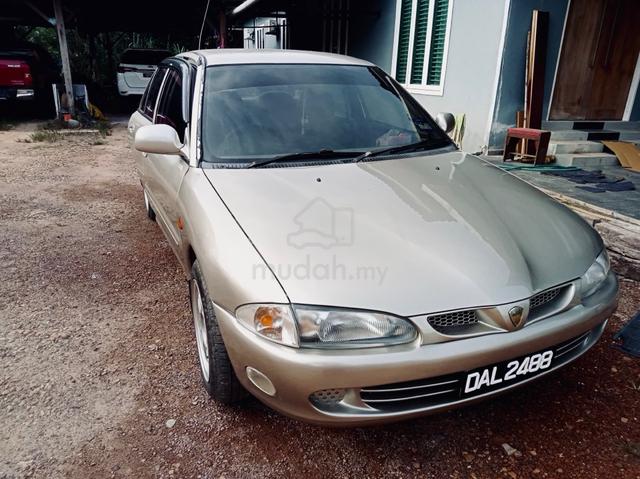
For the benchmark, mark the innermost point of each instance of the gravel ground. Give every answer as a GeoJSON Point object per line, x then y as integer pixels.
{"type": "Point", "coordinates": [98, 360]}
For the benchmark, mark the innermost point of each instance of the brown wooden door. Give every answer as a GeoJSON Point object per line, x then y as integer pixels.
{"type": "Point", "coordinates": [599, 54]}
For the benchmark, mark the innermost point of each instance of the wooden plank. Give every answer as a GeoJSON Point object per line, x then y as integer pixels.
{"type": "Point", "coordinates": [537, 62]}
{"type": "Point", "coordinates": [628, 154]}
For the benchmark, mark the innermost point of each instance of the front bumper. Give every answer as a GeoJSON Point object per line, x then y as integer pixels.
{"type": "Point", "coordinates": [298, 373]}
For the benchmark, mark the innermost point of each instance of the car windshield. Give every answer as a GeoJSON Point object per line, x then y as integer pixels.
{"type": "Point", "coordinates": [262, 111]}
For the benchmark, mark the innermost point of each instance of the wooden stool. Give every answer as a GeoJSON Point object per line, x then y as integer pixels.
{"type": "Point", "coordinates": [539, 137]}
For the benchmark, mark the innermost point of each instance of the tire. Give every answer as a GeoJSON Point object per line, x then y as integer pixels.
{"type": "Point", "coordinates": [217, 373]}
{"type": "Point", "coordinates": [147, 205]}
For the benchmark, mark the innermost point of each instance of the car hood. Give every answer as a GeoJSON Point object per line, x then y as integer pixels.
{"type": "Point", "coordinates": [407, 236]}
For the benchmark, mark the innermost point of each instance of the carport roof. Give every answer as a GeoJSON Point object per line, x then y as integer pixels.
{"type": "Point", "coordinates": [116, 15]}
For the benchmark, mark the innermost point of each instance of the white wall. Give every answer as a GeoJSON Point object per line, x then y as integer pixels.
{"type": "Point", "coordinates": [472, 63]}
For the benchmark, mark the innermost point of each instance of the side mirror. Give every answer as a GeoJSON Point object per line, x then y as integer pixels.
{"type": "Point", "coordinates": [160, 139]}
{"type": "Point", "coordinates": [446, 121]}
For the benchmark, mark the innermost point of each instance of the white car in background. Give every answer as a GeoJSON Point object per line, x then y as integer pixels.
{"type": "Point", "coordinates": [136, 68]}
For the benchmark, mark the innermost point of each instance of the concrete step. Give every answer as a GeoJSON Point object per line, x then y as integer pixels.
{"type": "Point", "coordinates": [557, 125]}
{"type": "Point", "coordinates": [622, 125]}
{"type": "Point", "coordinates": [629, 135]}
{"type": "Point", "coordinates": [586, 159]}
{"type": "Point", "coordinates": [557, 147]}
{"type": "Point", "coordinates": [568, 135]}
{"type": "Point", "coordinates": [601, 135]}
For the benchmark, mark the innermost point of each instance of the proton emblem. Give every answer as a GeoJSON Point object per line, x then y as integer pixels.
{"type": "Point", "coordinates": [516, 315]}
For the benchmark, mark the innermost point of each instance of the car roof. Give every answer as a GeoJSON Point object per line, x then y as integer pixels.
{"type": "Point", "coordinates": [230, 56]}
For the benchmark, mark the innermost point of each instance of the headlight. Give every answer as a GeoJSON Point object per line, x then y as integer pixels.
{"type": "Point", "coordinates": [336, 328]}
{"type": "Point", "coordinates": [272, 321]}
{"type": "Point", "coordinates": [317, 327]}
{"type": "Point", "coordinates": [595, 275]}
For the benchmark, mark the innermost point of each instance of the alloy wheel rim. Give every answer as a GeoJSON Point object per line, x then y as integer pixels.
{"type": "Point", "coordinates": [200, 328]}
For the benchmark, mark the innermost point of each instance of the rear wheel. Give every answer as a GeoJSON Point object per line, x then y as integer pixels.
{"type": "Point", "coordinates": [150, 213]}
{"type": "Point", "coordinates": [216, 370]}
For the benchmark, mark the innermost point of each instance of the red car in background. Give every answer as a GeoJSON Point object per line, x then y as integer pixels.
{"type": "Point", "coordinates": [27, 73]}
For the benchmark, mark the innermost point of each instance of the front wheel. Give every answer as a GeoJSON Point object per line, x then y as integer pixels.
{"type": "Point", "coordinates": [216, 370]}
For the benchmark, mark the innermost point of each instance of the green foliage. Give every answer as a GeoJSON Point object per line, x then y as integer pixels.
{"type": "Point", "coordinates": [104, 128]}
{"type": "Point", "coordinates": [94, 58]}
{"type": "Point", "coordinates": [51, 125]}
{"type": "Point", "coordinates": [48, 136]}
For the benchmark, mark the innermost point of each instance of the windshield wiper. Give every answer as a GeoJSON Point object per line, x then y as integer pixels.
{"type": "Point", "coordinates": [306, 155]}
{"type": "Point", "coordinates": [394, 149]}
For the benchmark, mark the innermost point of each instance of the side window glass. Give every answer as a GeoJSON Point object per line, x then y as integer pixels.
{"type": "Point", "coordinates": [170, 106]}
{"type": "Point", "coordinates": [148, 102]}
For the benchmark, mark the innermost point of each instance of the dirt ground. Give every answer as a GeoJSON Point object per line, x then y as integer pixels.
{"type": "Point", "coordinates": [97, 354]}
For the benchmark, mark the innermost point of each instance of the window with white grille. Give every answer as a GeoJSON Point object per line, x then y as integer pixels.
{"type": "Point", "coordinates": [421, 42]}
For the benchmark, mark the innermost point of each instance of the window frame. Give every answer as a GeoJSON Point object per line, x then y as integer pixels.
{"type": "Point", "coordinates": [163, 88]}
{"type": "Point", "coordinates": [422, 88]}
{"type": "Point", "coordinates": [161, 70]}
{"type": "Point", "coordinates": [192, 72]}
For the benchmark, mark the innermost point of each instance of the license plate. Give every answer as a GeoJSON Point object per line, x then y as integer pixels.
{"type": "Point", "coordinates": [501, 375]}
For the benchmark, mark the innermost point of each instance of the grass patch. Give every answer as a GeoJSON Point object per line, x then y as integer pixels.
{"type": "Point", "coordinates": [48, 136]}
{"type": "Point", "coordinates": [104, 128]}
{"type": "Point", "coordinates": [51, 125]}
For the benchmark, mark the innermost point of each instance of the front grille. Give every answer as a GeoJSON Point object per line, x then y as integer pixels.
{"type": "Point", "coordinates": [448, 322]}
{"type": "Point", "coordinates": [566, 348]}
{"type": "Point", "coordinates": [412, 394]}
{"type": "Point", "coordinates": [543, 298]}
{"type": "Point", "coordinates": [327, 397]}
{"type": "Point", "coordinates": [547, 302]}
{"type": "Point", "coordinates": [465, 322]}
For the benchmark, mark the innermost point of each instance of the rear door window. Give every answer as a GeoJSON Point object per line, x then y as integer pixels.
{"type": "Point", "coordinates": [170, 105]}
{"type": "Point", "coordinates": [148, 102]}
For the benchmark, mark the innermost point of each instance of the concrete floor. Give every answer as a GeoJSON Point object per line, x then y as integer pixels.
{"type": "Point", "coordinates": [624, 202]}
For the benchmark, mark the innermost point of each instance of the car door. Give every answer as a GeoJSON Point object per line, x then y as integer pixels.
{"type": "Point", "coordinates": [165, 172]}
{"type": "Point", "coordinates": [141, 117]}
